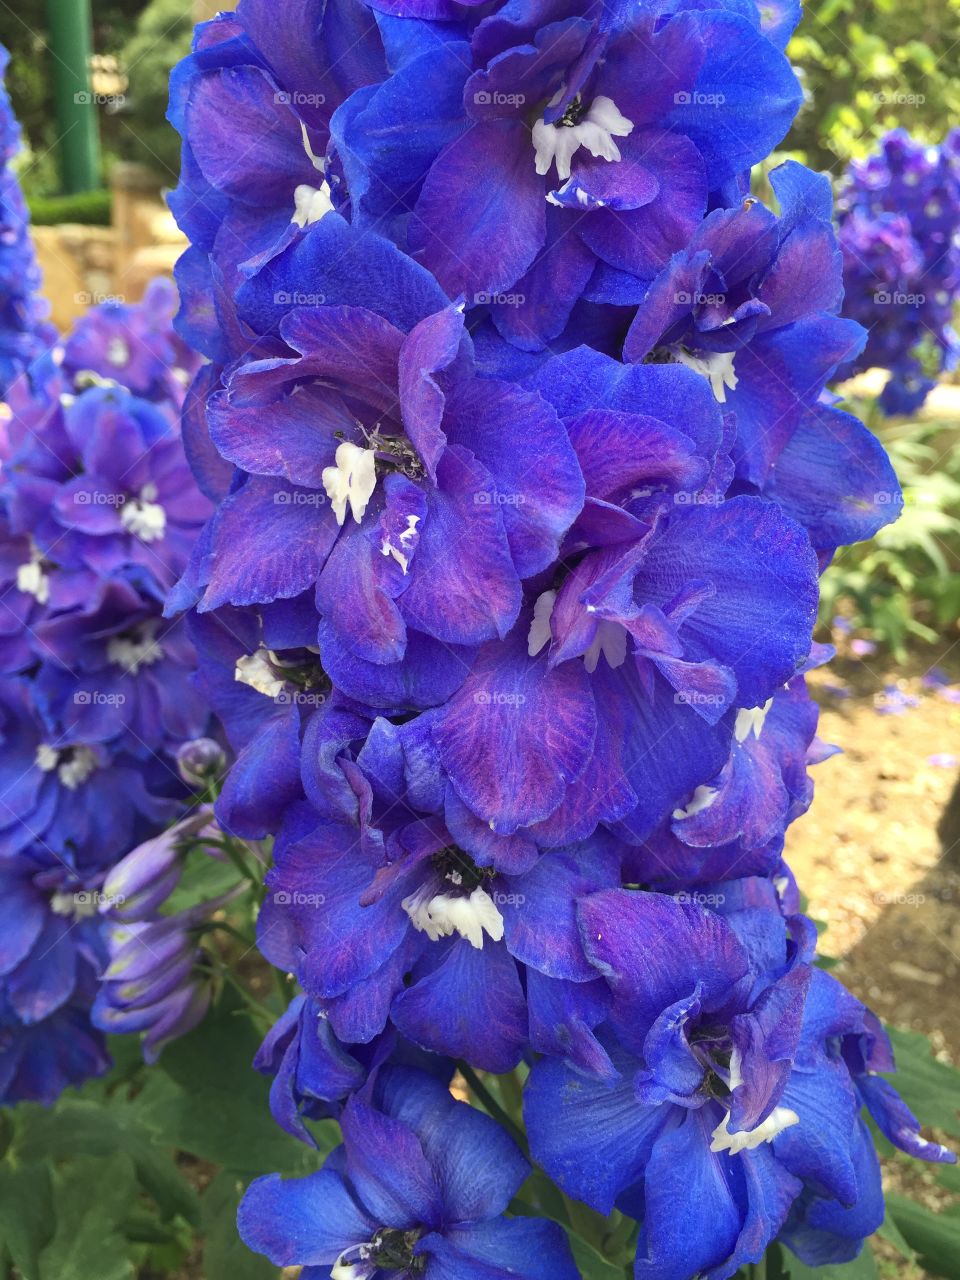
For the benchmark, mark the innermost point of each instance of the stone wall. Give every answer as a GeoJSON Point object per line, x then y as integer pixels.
{"type": "Point", "coordinates": [86, 265]}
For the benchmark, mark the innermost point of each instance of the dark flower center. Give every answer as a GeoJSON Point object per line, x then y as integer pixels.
{"type": "Point", "coordinates": [460, 870]}
{"type": "Point", "coordinates": [573, 114]}
{"type": "Point", "coordinates": [392, 1250]}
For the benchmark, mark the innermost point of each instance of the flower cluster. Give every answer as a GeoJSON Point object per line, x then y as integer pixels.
{"type": "Point", "coordinates": [524, 472]}
{"type": "Point", "coordinates": [24, 331]}
{"type": "Point", "coordinates": [98, 512]}
{"type": "Point", "coordinates": [899, 221]}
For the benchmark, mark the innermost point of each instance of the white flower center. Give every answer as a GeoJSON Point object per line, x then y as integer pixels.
{"type": "Point", "coordinates": [611, 641]}
{"type": "Point", "coordinates": [310, 204]}
{"type": "Point", "coordinates": [559, 143]}
{"type": "Point", "coordinates": [46, 757]}
{"type": "Point", "coordinates": [32, 580]}
{"type": "Point", "coordinates": [539, 635]}
{"type": "Point", "coordinates": [359, 1269]}
{"type": "Point", "coordinates": [81, 906]}
{"type": "Point", "coordinates": [74, 770]}
{"type": "Point", "coordinates": [440, 915]}
{"type": "Point", "coordinates": [407, 540]}
{"type": "Point", "coordinates": [701, 800]}
{"type": "Point", "coordinates": [780, 1118]}
{"type": "Point", "coordinates": [751, 720]}
{"type": "Point", "coordinates": [118, 353]}
{"type": "Point", "coordinates": [136, 651]}
{"type": "Point", "coordinates": [144, 517]}
{"type": "Point", "coordinates": [352, 479]}
{"type": "Point", "coordinates": [257, 671]}
{"type": "Point", "coordinates": [715, 366]}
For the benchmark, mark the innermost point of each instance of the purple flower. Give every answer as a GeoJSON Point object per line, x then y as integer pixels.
{"type": "Point", "coordinates": [899, 213]}
{"type": "Point", "coordinates": [153, 982]}
{"type": "Point", "coordinates": [380, 471]}
{"type": "Point", "coordinates": [24, 331]}
{"type": "Point", "coordinates": [418, 1188]}
{"type": "Point", "coordinates": [735, 1118]}
{"type": "Point", "coordinates": [133, 344]}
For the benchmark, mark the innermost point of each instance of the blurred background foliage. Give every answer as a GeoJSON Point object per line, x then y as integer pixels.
{"type": "Point", "coordinates": [146, 40]}
{"type": "Point", "coordinates": [870, 67]}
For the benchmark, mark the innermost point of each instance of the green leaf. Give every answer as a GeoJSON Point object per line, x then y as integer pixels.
{"type": "Point", "coordinates": [26, 1215]}
{"type": "Point", "coordinates": [212, 1103]}
{"type": "Point", "coordinates": [225, 1256]}
{"type": "Point", "coordinates": [863, 1267]}
{"type": "Point", "coordinates": [929, 1088]}
{"type": "Point", "coordinates": [77, 1127]}
{"type": "Point", "coordinates": [893, 1235]}
{"type": "Point", "coordinates": [592, 1265]}
{"type": "Point", "coordinates": [934, 1236]}
{"type": "Point", "coordinates": [91, 1198]}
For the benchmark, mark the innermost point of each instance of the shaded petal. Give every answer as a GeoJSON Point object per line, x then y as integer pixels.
{"type": "Point", "coordinates": [488, 176]}
{"type": "Point", "coordinates": [516, 734]}
{"type": "Point", "coordinates": [471, 1006]}
{"type": "Point", "coordinates": [302, 1220]}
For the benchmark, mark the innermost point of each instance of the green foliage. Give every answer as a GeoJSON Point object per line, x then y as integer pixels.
{"type": "Point", "coordinates": [91, 208]}
{"type": "Point", "coordinates": [868, 67]}
{"type": "Point", "coordinates": [134, 1173]}
{"type": "Point", "coordinates": [162, 37]}
{"type": "Point", "coordinates": [904, 585]}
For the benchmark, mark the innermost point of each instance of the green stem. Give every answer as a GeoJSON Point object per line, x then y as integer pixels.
{"type": "Point", "coordinates": [256, 1007]}
{"type": "Point", "coordinates": [483, 1094]}
{"type": "Point", "coordinates": [224, 927]}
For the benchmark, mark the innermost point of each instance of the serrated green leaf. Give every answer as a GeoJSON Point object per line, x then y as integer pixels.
{"type": "Point", "coordinates": [225, 1256]}
{"type": "Point", "coordinates": [934, 1236]}
{"type": "Point", "coordinates": [91, 1197]}
{"type": "Point", "coordinates": [218, 1107]}
{"type": "Point", "coordinates": [77, 1127]}
{"type": "Point", "coordinates": [26, 1215]}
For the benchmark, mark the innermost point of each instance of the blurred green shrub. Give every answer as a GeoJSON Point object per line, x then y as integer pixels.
{"type": "Point", "coordinates": [905, 584]}
{"type": "Point", "coordinates": [161, 38]}
{"type": "Point", "coordinates": [868, 67]}
{"type": "Point", "coordinates": [91, 208]}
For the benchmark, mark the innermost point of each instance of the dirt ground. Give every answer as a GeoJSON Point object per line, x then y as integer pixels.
{"type": "Point", "coordinates": [878, 855]}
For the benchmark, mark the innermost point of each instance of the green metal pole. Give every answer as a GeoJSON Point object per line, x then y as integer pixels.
{"type": "Point", "coordinates": [78, 125]}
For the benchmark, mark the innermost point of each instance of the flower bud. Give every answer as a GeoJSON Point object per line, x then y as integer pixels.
{"type": "Point", "coordinates": [201, 760]}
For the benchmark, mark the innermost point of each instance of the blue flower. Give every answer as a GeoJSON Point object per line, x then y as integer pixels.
{"type": "Point", "coordinates": [378, 469]}
{"type": "Point", "coordinates": [314, 1073]}
{"type": "Point", "coordinates": [418, 1188]}
{"type": "Point", "coordinates": [899, 214]}
{"type": "Point", "coordinates": [133, 344]}
{"type": "Point", "coordinates": [736, 1115]}
{"type": "Point", "coordinates": [84, 802]}
{"type": "Point", "coordinates": [24, 331]}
